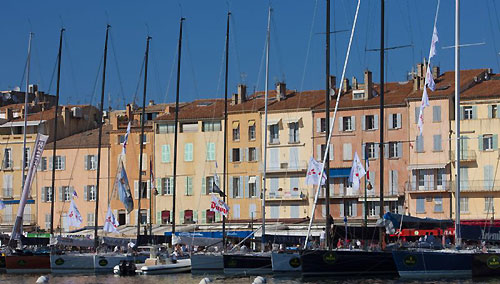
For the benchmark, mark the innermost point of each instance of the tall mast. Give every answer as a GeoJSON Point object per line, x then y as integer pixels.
{"type": "Point", "coordinates": [26, 107]}
{"type": "Point", "coordinates": [59, 56]}
{"type": "Point", "coordinates": [141, 139]}
{"type": "Point", "coordinates": [100, 122]}
{"type": "Point", "coordinates": [381, 144]}
{"type": "Point", "coordinates": [458, 235]}
{"type": "Point", "coordinates": [176, 122]}
{"type": "Point", "coordinates": [224, 174]}
{"type": "Point", "coordinates": [265, 131]}
{"type": "Point", "coordinates": [327, 122]}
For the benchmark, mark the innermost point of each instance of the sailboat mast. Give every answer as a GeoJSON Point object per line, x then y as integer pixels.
{"type": "Point", "coordinates": [176, 123]}
{"type": "Point", "coordinates": [265, 132]}
{"type": "Point", "coordinates": [458, 237]}
{"type": "Point", "coordinates": [381, 144]}
{"type": "Point", "coordinates": [224, 174]}
{"type": "Point", "coordinates": [141, 141]}
{"type": "Point", "coordinates": [26, 107]}
{"type": "Point", "coordinates": [100, 122]}
{"type": "Point", "coordinates": [327, 122]}
{"type": "Point", "coordinates": [59, 56]}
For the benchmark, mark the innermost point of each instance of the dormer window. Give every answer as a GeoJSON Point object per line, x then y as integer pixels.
{"type": "Point", "coordinates": [358, 94]}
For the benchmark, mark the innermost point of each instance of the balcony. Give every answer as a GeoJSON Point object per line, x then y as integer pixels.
{"type": "Point", "coordinates": [416, 187]}
{"type": "Point", "coordinates": [478, 185]}
{"type": "Point", "coordinates": [465, 156]}
{"type": "Point", "coordinates": [292, 195]}
{"type": "Point", "coordinates": [297, 166]}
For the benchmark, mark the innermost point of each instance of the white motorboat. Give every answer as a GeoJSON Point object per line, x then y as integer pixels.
{"type": "Point", "coordinates": [168, 267]}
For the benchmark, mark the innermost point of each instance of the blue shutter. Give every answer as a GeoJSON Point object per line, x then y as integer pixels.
{"type": "Point", "coordinates": [417, 113]}
{"type": "Point", "coordinates": [495, 141]}
{"type": "Point", "coordinates": [246, 189]}
{"type": "Point", "coordinates": [474, 112]}
{"type": "Point", "coordinates": [231, 187]}
{"type": "Point", "coordinates": [490, 111]}
{"type": "Point", "coordinates": [391, 121]}
{"type": "Point", "coordinates": [375, 121]}
{"type": "Point", "coordinates": [461, 113]}
{"type": "Point", "coordinates": [480, 142]}
{"type": "Point", "coordinates": [257, 186]}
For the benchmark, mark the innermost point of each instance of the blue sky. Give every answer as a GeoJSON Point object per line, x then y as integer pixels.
{"type": "Point", "coordinates": [297, 47]}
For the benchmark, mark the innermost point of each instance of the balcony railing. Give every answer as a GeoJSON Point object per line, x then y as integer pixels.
{"type": "Point", "coordinates": [296, 195]}
{"type": "Point", "coordinates": [427, 186]}
{"type": "Point", "coordinates": [296, 166]}
{"type": "Point", "coordinates": [478, 185]}
{"type": "Point", "coordinates": [465, 155]}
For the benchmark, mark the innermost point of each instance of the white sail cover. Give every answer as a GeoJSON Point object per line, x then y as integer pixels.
{"type": "Point", "coordinates": [40, 142]}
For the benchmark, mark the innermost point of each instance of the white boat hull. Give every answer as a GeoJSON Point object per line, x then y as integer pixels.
{"type": "Point", "coordinates": [286, 263]}
{"type": "Point", "coordinates": [207, 263]}
{"type": "Point", "coordinates": [72, 263]}
{"type": "Point", "coordinates": [181, 266]}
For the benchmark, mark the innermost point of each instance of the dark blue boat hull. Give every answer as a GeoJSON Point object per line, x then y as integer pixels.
{"type": "Point", "coordinates": [433, 264]}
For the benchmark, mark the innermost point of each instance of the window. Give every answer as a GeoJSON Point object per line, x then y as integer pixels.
{"type": "Point", "coordinates": [188, 152]}
{"type": "Point", "coordinates": [393, 207]}
{"type": "Point", "coordinates": [236, 188]}
{"type": "Point", "coordinates": [90, 162]}
{"type": "Point", "coordinates": [393, 182]}
{"type": "Point", "coordinates": [66, 193]}
{"type": "Point", "coordinates": [251, 130]}
{"type": "Point", "coordinates": [436, 114]}
{"type": "Point", "coordinates": [347, 152]}
{"type": "Point", "coordinates": [164, 128]}
{"type": "Point", "coordinates": [347, 123]}
{"type": "Point", "coordinates": [7, 158]}
{"type": "Point", "coordinates": [236, 155]}
{"type": "Point", "coordinates": [46, 194]}
{"type": "Point", "coordinates": [464, 204]}
{"type": "Point", "coordinates": [211, 126]}
{"type": "Point", "coordinates": [294, 211]}
{"type": "Point", "coordinates": [210, 151]}
{"type": "Point", "coordinates": [90, 219]}
{"type": "Point", "coordinates": [468, 113]}
{"type": "Point", "coordinates": [143, 138]}
{"type": "Point", "coordinates": [189, 127]}
{"type": "Point", "coordinates": [236, 211]}
{"type": "Point", "coordinates": [437, 146]}
{"type": "Point", "coordinates": [144, 189]}
{"type": "Point", "coordinates": [60, 162]}
{"type": "Point", "coordinates": [371, 122]}
{"type": "Point", "coordinates": [252, 154]}
{"type": "Point", "coordinates": [294, 132]}
{"type": "Point", "coordinates": [236, 131]}
{"type": "Point", "coordinates": [165, 153]}
{"type": "Point", "coordinates": [144, 216]}
{"type": "Point", "coordinates": [494, 111]}
{"type": "Point", "coordinates": [252, 211]}
{"type": "Point", "coordinates": [439, 178]}
{"type": "Point", "coordinates": [351, 208]}
{"type": "Point", "coordinates": [27, 157]}
{"type": "Point", "coordinates": [372, 209]}
{"type": "Point", "coordinates": [371, 150]}
{"type": "Point", "coordinates": [210, 216]}
{"type": "Point", "coordinates": [358, 94]}
{"type": "Point", "coordinates": [438, 204]}
{"type": "Point", "coordinates": [420, 204]}
{"type": "Point", "coordinates": [252, 186]}
{"type": "Point", "coordinates": [121, 139]}
{"type": "Point", "coordinates": [419, 140]}
{"type": "Point", "coordinates": [275, 211]}
{"type": "Point", "coordinates": [7, 186]}
{"type": "Point", "coordinates": [395, 121]}
{"type": "Point", "coordinates": [91, 193]}
{"type": "Point", "coordinates": [395, 149]}
{"type": "Point", "coordinates": [488, 204]}
{"type": "Point", "coordinates": [274, 134]}
{"type": "Point", "coordinates": [487, 142]}
{"type": "Point", "coordinates": [189, 186]}
{"type": "Point", "coordinates": [43, 164]}
{"type": "Point", "coordinates": [323, 125]}
{"type": "Point", "coordinates": [209, 184]}
{"type": "Point", "coordinates": [167, 185]}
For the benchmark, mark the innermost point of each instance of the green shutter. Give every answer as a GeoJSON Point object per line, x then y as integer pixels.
{"type": "Point", "coordinates": [165, 153]}
{"type": "Point", "coordinates": [495, 141]}
{"type": "Point", "coordinates": [203, 216]}
{"type": "Point", "coordinates": [480, 142]}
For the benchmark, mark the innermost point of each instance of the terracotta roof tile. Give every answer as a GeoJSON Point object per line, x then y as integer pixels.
{"type": "Point", "coordinates": [198, 109]}
{"type": "Point", "coordinates": [489, 88]}
{"type": "Point", "coordinates": [86, 139]}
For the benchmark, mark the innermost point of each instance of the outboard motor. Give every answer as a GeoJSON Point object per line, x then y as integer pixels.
{"type": "Point", "coordinates": [127, 268]}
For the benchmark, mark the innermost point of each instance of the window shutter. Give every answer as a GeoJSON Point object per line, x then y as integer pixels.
{"type": "Point", "coordinates": [231, 187]}
{"type": "Point", "coordinates": [375, 121]}
{"type": "Point", "coordinates": [241, 155]}
{"type": "Point", "coordinates": [488, 177]}
{"type": "Point", "coordinates": [391, 119]}
{"type": "Point", "coordinates": [353, 122]}
{"type": "Point", "coordinates": [230, 155]}
{"type": "Point", "coordinates": [437, 142]}
{"type": "Point", "coordinates": [257, 153]}
{"type": "Point", "coordinates": [340, 123]}
{"type": "Point", "coordinates": [354, 209]}
{"type": "Point", "coordinates": [400, 149]}
{"type": "Point", "coordinates": [171, 185]}
{"type": "Point", "coordinates": [195, 216]}
{"type": "Point", "coordinates": [181, 217]}
{"type": "Point", "coordinates": [399, 120]}
{"type": "Point", "coordinates": [186, 188]}
{"type": "Point", "coordinates": [318, 125]}
{"type": "Point", "coordinates": [474, 112]}
{"type": "Point", "coordinates": [330, 152]}
{"type": "Point", "coordinates": [159, 182]}
{"type": "Point", "coordinates": [246, 157]}
{"type": "Point", "coordinates": [127, 218]}
{"type": "Point", "coordinates": [86, 162]}
{"type": "Point", "coordinates": [318, 153]}
{"type": "Point", "coordinates": [341, 210]}
{"type": "Point", "coordinates": [136, 189]}
{"type": "Point", "coordinates": [377, 150]}
{"type": "Point", "coordinates": [363, 121]}
{"type": "Point", "coordinates": [203, 216]}
{"type": "Point", "coordinates": [395, 182]}
{"type": "Point", "coordinates": [63, 161]}
{"type": "Point", "coordinates": [479, 143]}
{"type": "Point", "coordinates": [363, 151]}
{"type": "Point", "coordinates": [386, 150]}
{"type": "Point", "coordinates": [60, 193]}
{"type": "Point", "coordinates": [436, 114]}
{"type": "Point", "coordinates": [86, 193]}
{"type": "Point", "coordinates": [257, 186]}
{"type": "Point", "coordinates": [247, 191]}
{"type": "Point", "coordinates": [377, 209]}
{"type": "Point", "coordinates": [186, 150]}
{"type": "Point", "coordinates": [240, 186]}
{"type": "Point", "coordinates": [417, 113]}
{"type": "Point", "coordinates": [372, 178]}
{"type": "Point", "coordinates": [51, 163]}
{"type": "Point", "coordinates": [164, 153]}
{"type": "Point", "coordinates": [158, 217]}
{"type": "Point", "coordinates": [495, 141]}
{"type": "Point", "coordinates": [204, 186]}
{"type": "Point", "coordinates": [461, 113]}
{"type": "Point", "coordinates": [148, 190]}
{"type": "Point", "coordinates": [44, 194]}
{"type": "Point", "coordinates": [490, 111]}
{"type": "Point", "coordinates": [363, 209]}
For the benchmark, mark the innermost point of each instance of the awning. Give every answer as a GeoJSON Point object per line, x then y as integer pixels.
{"type": "Point", "coordinates": [21, 123]}
{"type": "Point", "coordinates": [376, 198]}
{"type": "Point", "coordinates": [165, 214]}
{"type": "Point", "coordinates": [236, 124]}
{"type": "Point", "coordinates": [340, 172]}
{"type": "Point", "coordinates": [251, 122]}
{"type": "Point", "coordinates": [292, 120]}
{"type": "Point", "coordinates": [273, 121]}
{"type": "Point", "coordinates": [426, 166]}
{"type": "Point", "coordinates": [252, 180]}
{"type": "Point", "coordinates": [188, 213]}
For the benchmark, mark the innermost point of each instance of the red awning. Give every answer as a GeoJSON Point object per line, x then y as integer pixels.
{"type": "Point", "coordinates": [188, 213]}
{"type": "Point", "coordinates": [165, 214]}
{"type": "Point", "coordinates": [210, 213]}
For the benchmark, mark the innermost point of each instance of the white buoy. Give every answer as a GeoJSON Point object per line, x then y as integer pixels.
{"type": "Point", "coordinates": [43, 279]}
{"type": "Point", "coordinates": [205, 280]}
{"type": "Point", "coordinates": [259, 280]}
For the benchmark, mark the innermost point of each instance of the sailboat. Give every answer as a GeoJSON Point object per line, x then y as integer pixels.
{"type": "Point", "coordinates": [255, 263]}
{"type": "Point", "coordinates": [344, 262]}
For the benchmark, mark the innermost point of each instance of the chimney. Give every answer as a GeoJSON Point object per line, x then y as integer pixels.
{"type": "Point", "coordinates": [32, 88]}
{"type": "Point", "coordinates": [280, 91]}
{"type": "Point", "coordinates": [151, 103]}
{"type": "Point", "coordinates": [8, 114]}
{"type": "Point", "coordinates": [345, 87]}
{"type": "Point", "coordinates": [66, 115]}
{"type": "Point", "coordinates": [130, 112]}
{"type": "Point", "coordinates": [234, 99]}
{"type": "Point", "coordinates": [435, 72]}
{"type": "Point", "coordinates": [170, 109]}
{"type": "Point", "coordinates": [355, 85]}
{"type": "Point", "coordinates": [242, 93]}
{"type": "Point", "coordinates": [333, 85]}
{"type": "Point", "coordinates": [368, 86]}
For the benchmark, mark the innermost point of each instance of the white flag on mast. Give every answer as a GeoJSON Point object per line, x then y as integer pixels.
{"type": "Point", "coordinates": [75, 218]}
{"type": "Point", "coordinates": [110, 223]}
{"type": "Point", "coordinates": [125, 139]}
{"type": "Point", "coordinates": [314, 173]}
{"type": "Point", "coordinates": [424, 103]}
{"type": "Point", "coordinates": [357, 172]}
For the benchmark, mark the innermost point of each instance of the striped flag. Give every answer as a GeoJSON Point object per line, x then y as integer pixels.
{"type": "Point", "coordinates": [125, 140]}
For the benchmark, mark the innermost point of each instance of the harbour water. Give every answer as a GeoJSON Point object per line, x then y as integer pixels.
{"type": "Point", "coordinates": [195, 279]}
